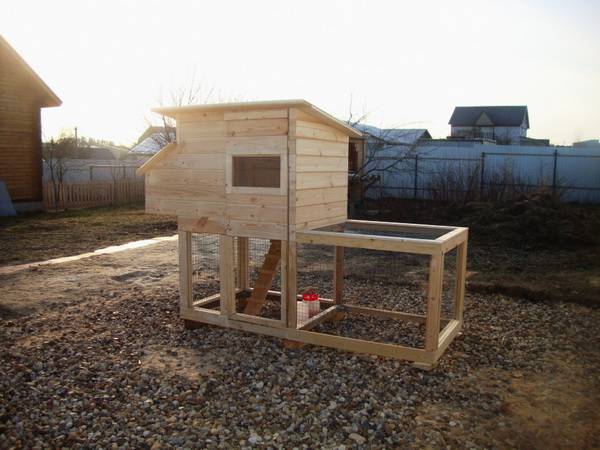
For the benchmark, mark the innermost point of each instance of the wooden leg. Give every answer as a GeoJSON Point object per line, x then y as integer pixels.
{"type": "Point", "coordinates": [186, 292]}
{"type": "Point", "coordinates": [338, 275]}
{"type": "Point", "coordinates": [227, 275]}
{"type": "Point", "coordinates": [291, 285]}
{"type": "Point", "coordinates": [461, 271]}
{"type": "Point", "coordinates": [434, 297]}
{"type": "Point", "coordinates": [243, 262]}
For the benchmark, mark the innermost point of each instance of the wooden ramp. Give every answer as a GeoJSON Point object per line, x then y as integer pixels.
{"type": "Point", "coordinates": [265, 279]}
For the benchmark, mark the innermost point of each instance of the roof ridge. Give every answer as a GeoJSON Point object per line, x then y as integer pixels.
{"type": "Point", "coordinates": [54, 99]}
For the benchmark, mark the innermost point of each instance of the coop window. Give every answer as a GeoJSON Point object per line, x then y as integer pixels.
{"type": "Point", "coordinates": [257, 171]}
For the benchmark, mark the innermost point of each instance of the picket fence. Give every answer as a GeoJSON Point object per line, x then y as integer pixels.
{"type": "Point", "coordinates": [87, 195]}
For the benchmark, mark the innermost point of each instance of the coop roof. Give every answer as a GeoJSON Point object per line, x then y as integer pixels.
{"type": "Point", "coordinates": [500, 116]}
{"type": "Point", "coordinates": [49, 97]}
{"type": "Point", "coordinates": [303, 105]}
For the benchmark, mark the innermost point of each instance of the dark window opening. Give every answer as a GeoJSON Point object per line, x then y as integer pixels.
{"type": "Point", "coordinates": [256, 171]}
{"type": "Point", "coordinates": [352, 157]}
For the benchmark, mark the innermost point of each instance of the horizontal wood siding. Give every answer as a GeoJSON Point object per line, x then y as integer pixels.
{"type": "Point", "coordinates": [321, 166]}
{"type": "Point", "coordinates": [191, 183]}
{"type": "Point", "coordinates": [20, 131]}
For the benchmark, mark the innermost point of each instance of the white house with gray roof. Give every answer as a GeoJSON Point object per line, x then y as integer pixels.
{"type": "Point", "coordinates": [504, 124]}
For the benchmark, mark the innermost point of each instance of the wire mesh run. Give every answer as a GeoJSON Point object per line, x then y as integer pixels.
{"type": "Point", "coordinates": [315, 269]}
{"type": "Point", "coordinates": [258, 248]}
{"type": "Point", "coordinates": [270, 305]}
{"type": "Point", "coordinates": [205, 268]}
{"type": "Point", "coordinates": [383, 280]}
{"type": "Point", "coordinates": [205, 265]}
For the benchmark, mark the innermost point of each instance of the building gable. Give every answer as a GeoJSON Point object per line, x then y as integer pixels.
{"type": "Point", "coordinates": [500, 116]}
{"type": "Point", "coordinates": [484, 121]}
{"type": "Point", "coordinates": [48, 97]}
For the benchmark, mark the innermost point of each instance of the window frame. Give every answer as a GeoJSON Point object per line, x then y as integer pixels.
{"type": "Point", "coordinates": [283, 166]}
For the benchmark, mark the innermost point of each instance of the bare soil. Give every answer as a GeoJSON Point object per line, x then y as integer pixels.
{"type": "Point", "coordinates": [94, 354]}
{"type": "Point", "coordinates": [40, 236]}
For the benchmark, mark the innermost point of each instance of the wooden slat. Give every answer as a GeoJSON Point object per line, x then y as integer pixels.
{"type": "Point", "coordinates": [459, 288]}
{"type": "Point", "coordinates": [257, 213]}
{"type": "Point", "coordinates": [319, 196]}
{"type": "Point", "coordinates": [406, 245]}
{"type": "Point", "coordinates": [263, 127]}
{"type": "Point", "coordinates": [157, 159]}
{"type": "Point", "coordinates": [311, 337]}
{"type": "Point", "coordinates": [318, 319]}
{"type": "Point", "coordinates": [257, 114]}
{"type": "Point", "coordinates": [194, 130]}
{"type": "Point", "coordinates": [321, 164]}
{"type": "Point", "coordinates": [202, 225]}
{"type": "Point", "coordinates": [434, 302]}
{"type": "Point", "coordinates": [257, 229]}
{"type": "Point", "coordinates": [202, 161]}
{"type": "Point", "coordinates": [243, 262]}
{"type": "Point", "coordinates": [338, 274]}
{"type": "Point", "coordinates": [185, 271]}
{"type": "Point", "coordinates": [252, 145]}
{"type": "Point", "coordinates": [193, 208]}
{"type": "Point", "coordinates": [397, 315]}
{"type": "Point", "coordinates": [447, 335]}
{"type": "Point", "coordinates": [314, 130]}
{"type": "Point", "coordinates": [314, 147]}
{"type": "Point", "coordinates": [227, 275]}
{"type": "Point", "coordinates": [317, 180]}
{"type": "Point", "coordinates": [291, 293]}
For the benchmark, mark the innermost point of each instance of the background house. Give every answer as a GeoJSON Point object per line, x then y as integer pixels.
{"type": "Point", "coordinates": [152, 140]}
{"type": "Point", "coordinates": [22, 94]}
{"type": "Point", "coordinates": [504, 124]}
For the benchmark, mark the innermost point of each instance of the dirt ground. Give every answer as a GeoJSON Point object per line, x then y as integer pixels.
{"type": "Point", "coordinates": [93, 354]}
{"type": "Point", "coordinates": [40, 236]}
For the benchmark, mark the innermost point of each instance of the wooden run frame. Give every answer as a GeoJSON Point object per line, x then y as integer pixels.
{"type": "Point", "coordinates": [443, 239]}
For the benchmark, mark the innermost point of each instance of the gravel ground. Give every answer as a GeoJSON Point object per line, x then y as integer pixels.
{"type": "Point", "coordinates": [99, 359]}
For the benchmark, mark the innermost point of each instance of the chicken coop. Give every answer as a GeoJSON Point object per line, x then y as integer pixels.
{"type": "Point", "coordinates": [260, 194]}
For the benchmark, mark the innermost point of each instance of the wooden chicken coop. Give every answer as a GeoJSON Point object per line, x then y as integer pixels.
{"type": "Point", "coordinates": [274, 175]}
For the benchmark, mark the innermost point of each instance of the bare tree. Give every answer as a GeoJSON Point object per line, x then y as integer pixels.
{"type": "Point", "coordinates": [192, 93]}
{"type": "Point", "coordinates": [383, 150]}
{"type": "Point", "coordinates": [55, 155]}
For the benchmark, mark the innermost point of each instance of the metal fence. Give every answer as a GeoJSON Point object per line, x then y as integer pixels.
{"type": "Point", "coordinates": [495, 175]}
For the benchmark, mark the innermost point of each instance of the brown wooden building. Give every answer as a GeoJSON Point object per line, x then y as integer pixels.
{"type": "Point", "coordinates": [22, 94]}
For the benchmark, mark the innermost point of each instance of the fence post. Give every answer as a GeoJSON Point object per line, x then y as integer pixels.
{"type": "Point", "coordinates": [481, 180]}
{"type": "Point", "coordinates": [554, 169]}
{"type": "Point", "coordinates": [416, 184]}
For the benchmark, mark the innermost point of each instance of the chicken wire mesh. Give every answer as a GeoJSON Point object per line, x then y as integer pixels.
{"type": "Point", "coordinates": [378, 279]}
{"type": "Point", "coordinates": [257, 251]}
{"type": "Point", "coordinates": [372, 278]}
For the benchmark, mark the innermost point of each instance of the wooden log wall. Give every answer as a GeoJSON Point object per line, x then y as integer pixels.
{"type": "Point", "coordinates": [20, 132]}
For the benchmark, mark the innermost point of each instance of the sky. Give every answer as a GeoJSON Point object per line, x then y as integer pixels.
{"type": "Point", "coordinates": [404, 64]}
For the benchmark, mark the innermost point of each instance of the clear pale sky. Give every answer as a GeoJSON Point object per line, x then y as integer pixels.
{"type": "Point", "coordinates": [405, 63]}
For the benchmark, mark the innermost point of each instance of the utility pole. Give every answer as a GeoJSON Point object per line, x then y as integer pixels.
{"type": "Point", "coordinates": [76, 140]}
